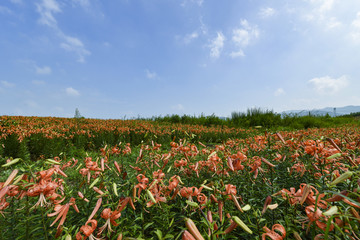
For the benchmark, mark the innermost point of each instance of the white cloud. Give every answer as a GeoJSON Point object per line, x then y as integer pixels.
{"type": "Point", "coordinates": [217, 45]}
{"type": "Point", "coordinates": [73, 44]}
{"type": "Point", "coordinates": [150, 75]}
{"type": "Point", "coordinates": [325, 5]}
{"type": "Point", "coordinates": [278, 92]}
{"type": "Point", "coordinates": [321, 12]}
{"type": "Point", "coordinates": [47, 9]}
{"type": "Point", "coordinates": [328, 85]}
{"type": "Point", "coordinates": [244, 36]}
{"type": "Point", "coordinates": [203, 27]}
{"type": "Point", "coordinates": [72, 92]}
{"type": "Point", "coordinates": [237, 54]}
{"type": "Point", "coordinates": [355, 24]}
{"type": "Point", "coordinates": [43, 70]}
{"type": "Point", "coordinates": [7, 84]}
{"type": "Point", "coordinates": [189, 37]}
{"type": "Point", "coordinates": [332, 22]}
{"type": "Point", "coordinates": [83, 3]}
{"type": "Point", "coordinates": [198, 2]}
{"type": "Point", "coordinates": [267, 12]}
{"type": "Point", "coordinates": [321, 7]}
{"type": "Point", "coordinates": [5, 10]}
{"type": "Point", "coordinates": [178, 107]}
{"type": "Point", "coordinates": [241, 37]}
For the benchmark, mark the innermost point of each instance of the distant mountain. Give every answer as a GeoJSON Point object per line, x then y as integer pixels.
{"type": "Point", "coordinates": [323, 111]}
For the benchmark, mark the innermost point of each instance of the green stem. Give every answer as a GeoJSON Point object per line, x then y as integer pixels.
{"type": "Point", "coordinates": [13, 222]}
{"type": "Point", "coordinates": [27, 208]}
{"type": "Point", "coordinates": [257, 224]}
{"type": "Point", "coordinates": [44, 224]}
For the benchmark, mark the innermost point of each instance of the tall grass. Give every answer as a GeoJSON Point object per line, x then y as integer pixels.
{"type": "Point", "coordinates": [265, 118]}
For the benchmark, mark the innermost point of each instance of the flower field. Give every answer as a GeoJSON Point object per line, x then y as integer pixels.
{"type": "Point", "coordinates": [114, 179]}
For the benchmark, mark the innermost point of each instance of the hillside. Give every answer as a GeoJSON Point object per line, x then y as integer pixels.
{"type": "Point", "coordinates": [323, 111]}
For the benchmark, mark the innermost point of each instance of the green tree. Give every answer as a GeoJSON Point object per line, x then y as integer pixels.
{"type": "Point", "coordinates": [77, 114]}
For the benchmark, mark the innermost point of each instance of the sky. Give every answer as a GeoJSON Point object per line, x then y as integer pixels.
{"type": "Point", "coordinates": [124, 59]}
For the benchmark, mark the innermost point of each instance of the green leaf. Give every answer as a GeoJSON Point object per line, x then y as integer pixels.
{"type": "Point", "coordinates": [262, 220]}
{"type": "Point", "coordinates": [336, 155]}
{"type": "Point", "coordinates": [159, 234]}
{"type": "Point", "coordinates": [336, 193]}
{"type": "Point", "coordinates": [171, 223]}
{"type": "Point", "coordinates": [36, 229]}
{"type": "Point", "coordinates": [328, 223]}
{"type": "Point", "coordinates": [169, 236]}
{"type": "Point", "coordinates": [148, 225]}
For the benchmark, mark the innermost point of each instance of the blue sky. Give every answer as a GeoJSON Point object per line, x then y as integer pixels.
{"type": "Point", "coordinates": [130, 58]}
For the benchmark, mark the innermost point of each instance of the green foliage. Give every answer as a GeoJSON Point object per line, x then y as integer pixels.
{"type": "Point", "coordinates": [254, 117]}
{"type": "Point", "coordinates": [355, 114]}
{"type": "Point", "coordinates": [13, 147]}
{"type": "Point", "coordinates": [165, 220]}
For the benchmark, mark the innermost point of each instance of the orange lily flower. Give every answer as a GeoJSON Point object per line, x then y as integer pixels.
{"type": "Point", "coordinates": [61, 212]}
{"type": "Point", "coordinates": [158, 175]}
{"type": "Point", "coordinates": [3, 205]}
{"type": "Point", "coordinates": [173, 182]}
{"type": "Point", "coordinates": [87, 230]}
{"type": "Point", "coordinates": [274, 235]}
{"type": "Point", "coordinates": [202, 199]}
{"type": "Point", "coordinates": [180, 163]}
{"type": "Point", "coordinates": [142, 185]}
{"type": "Point", "coordinates": [157, 196]}
{"type": "Point", "coordinates": [304, 194]}
{"type": "Point", "coordinates": [110, 218]}
{"type": "Point", "coordinates": [188, 192]}
{"type": "Point", "coordinates": [317, 217]}
{"type": "Point", "coordinates": [255, 165]}
{"type": "Point", "coordinates": [123, 202]}
{"type": "Point", "coordinates": [45, 188]}
{"type": "Point", "coordinates": [230, 190]}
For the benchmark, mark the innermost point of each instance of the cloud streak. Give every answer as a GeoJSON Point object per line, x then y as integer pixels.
{"type": "Point", "coordinates": [72, 92]}
{"type": "Point", "coordinates": [7, 84]}
{"type": "Point", "coordinates": [72, 44]}
{"type": "Point", "coordinates": [47, 9]}
{"type": "Point", "coordinates": [216, 45]}
{"type": "Point", "coordinates": [5, 10]}
{"type": "Point", "coordinates": [321, 13]}
{"type": "Point", "coordinates": [190, 37]}
{"type": "Point", "coordinates": [17, 1]}
{"type": "Point", "coordinates": [178, 107]}
{"type": "Point", "coordinates": [355, 24]}
{"type": "Point", "coordinates": [279, 92]}
{"type": "Point", "coordinates": [150, 75]}
{"type": "Point", "coordinates": [267, 12]}
{"type": "Point", "coordinates": [244, 36]}
{"type": "Point", "coordinates": [329, 86]}
{"type": "Point", "coordinates": [43, 70]}
{"type": "Point", "coordinates": [198, 2]}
